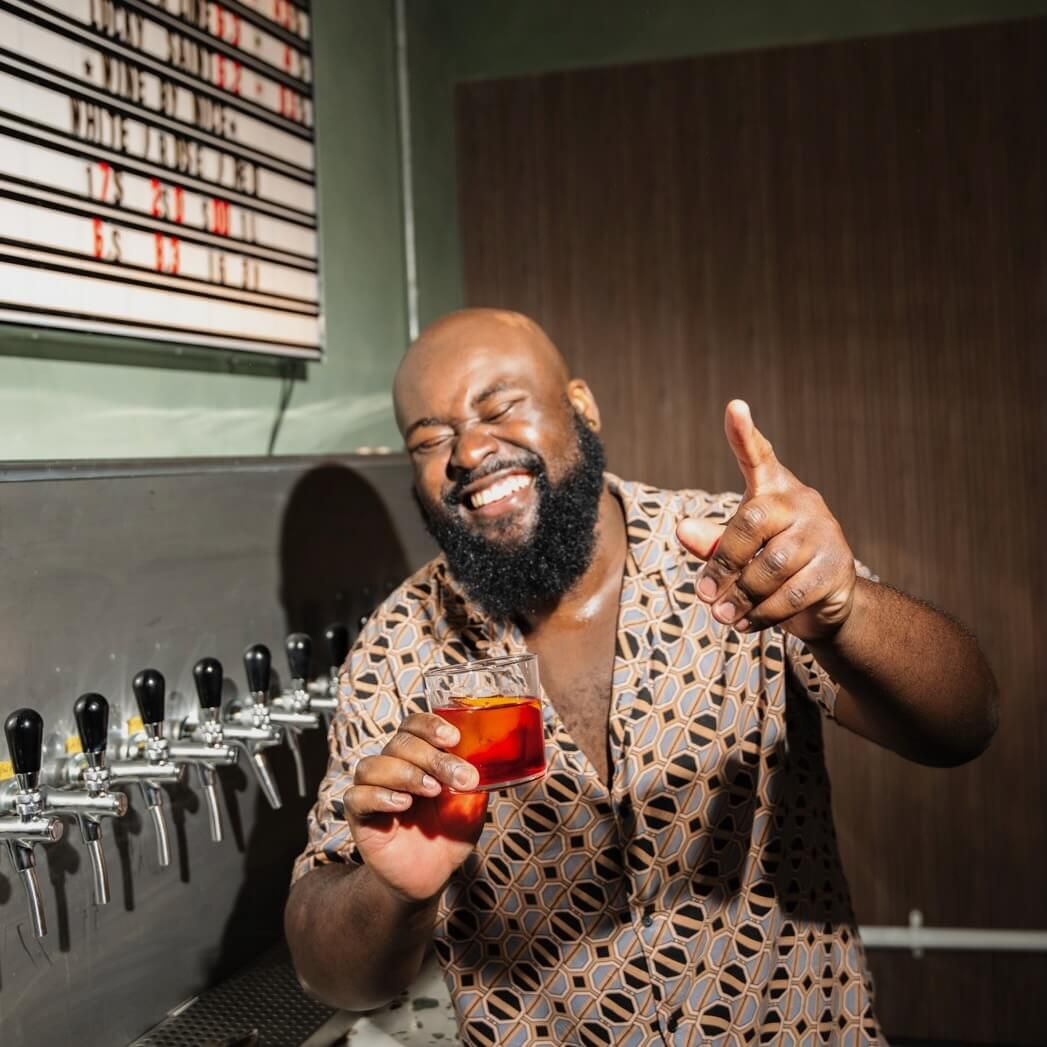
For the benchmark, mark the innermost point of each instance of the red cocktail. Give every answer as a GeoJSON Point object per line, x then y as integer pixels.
{"type": "Point", "coordinates": [501, 737]}
{"type": "Point", "coordinates": [495, 706]}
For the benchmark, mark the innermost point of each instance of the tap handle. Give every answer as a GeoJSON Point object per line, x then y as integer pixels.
{"type": "Point", "coordinates": [25, 739]}
{"type": "Point", "coordinates": [299, 655]}
{"type": "Point", "coordinates": [256, 664]}
{"type": "Point", "coordinates": [367, 604]}
{"type": "Point", "coordinates": [337, 636]}
{"type": "Point", "coordinates": [149, 687]}
{"type": "Point", "coordinates": [207, 675]}
{"type": "Point", "coordinates": [92, 721]}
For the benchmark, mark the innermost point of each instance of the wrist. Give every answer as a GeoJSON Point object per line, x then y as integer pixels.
{"type": "Point", "coordinates": [845, 633]}
{"type": "Point", "coordinates": [407, 905]}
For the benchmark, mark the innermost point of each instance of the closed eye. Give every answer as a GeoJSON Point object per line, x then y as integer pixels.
{"type": "Point", "coordinates": [499, 412]}
{"type": "Point", "coordinates": [429, 444]}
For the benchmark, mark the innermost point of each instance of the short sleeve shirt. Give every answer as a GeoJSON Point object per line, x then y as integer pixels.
{"type": "Point", "coordinates": [697, 900]}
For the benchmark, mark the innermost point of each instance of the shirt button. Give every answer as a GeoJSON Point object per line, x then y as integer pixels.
{"type": "Point", "coordinates": [647, 920]}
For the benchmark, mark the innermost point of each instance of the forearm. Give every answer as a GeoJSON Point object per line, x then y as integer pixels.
{"type": "Point", "coordinates": [914, 680]}
{"type": "Point", "coordinates": [355, 944]}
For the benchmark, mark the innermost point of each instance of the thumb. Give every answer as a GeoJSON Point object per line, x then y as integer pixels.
{"type": "Point", "coordinates": [700, 536]}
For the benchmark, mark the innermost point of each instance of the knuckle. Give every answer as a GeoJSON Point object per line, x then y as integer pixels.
{"type": "Point", "coordinates": [751, 518]}
{"type": "Point", "coordinates": [814, 500]}
{"type": "Point", "coordinates": [743, 595]}
{"type": "Point", "coordinates": [720, 565]}
{"type": "Point", "coordinates": [441, 764]}
{"type": "Point", "coordinates": [774, 561]}
{"type": "Point", "coordinates": [795, 595]}
{"type": "Point", "coordinates": [398, 742]}
{"type": "Point", "coordinates": [351, 805]}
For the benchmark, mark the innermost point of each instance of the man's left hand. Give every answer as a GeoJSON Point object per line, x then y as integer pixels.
{"type": "Point", "coordinates": [782, 559]}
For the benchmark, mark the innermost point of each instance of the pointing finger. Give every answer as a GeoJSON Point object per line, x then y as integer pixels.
{"type": "Point", "coordinates": [752, 450]}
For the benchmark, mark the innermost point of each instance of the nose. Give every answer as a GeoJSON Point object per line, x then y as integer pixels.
{"type": "Point", "coordinates": [471, 447]}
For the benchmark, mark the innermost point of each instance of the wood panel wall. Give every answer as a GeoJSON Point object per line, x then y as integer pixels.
{"type": "Point", "coordinates": [852, 236]}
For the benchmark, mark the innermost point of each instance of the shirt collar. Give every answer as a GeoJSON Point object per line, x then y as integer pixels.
{"type": "Point", "coordinates": [651, 515]}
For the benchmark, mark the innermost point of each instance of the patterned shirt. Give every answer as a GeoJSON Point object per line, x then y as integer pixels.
{"type": "Point", "coordinates": [699, 899]}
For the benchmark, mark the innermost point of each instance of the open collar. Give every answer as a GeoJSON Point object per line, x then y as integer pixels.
{"type": "Point", "coordinates": [651, 516]}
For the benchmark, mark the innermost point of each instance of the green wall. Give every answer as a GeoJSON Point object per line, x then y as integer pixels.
{"type": "Point", "coordinates": [67, 396]}
{"type": "Point", "coordinates": [64, 396]}
{"type": "Point", "coordinates": [456, 40]}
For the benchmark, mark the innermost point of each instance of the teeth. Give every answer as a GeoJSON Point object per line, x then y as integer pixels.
{"type": "Point", "coordinates": [499, 490]}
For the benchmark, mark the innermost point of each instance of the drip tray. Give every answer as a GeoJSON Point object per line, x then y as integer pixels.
{"type": "Point", "coordinates": [262, 1007]}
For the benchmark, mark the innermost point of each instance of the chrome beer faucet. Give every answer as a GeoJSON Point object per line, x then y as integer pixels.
{"type": "Point", "coordinates": [148, 758]}
{"type": "Point", "coordinates": [323, 692]}
{"type": "Point", "coordinates": [302, 696]}
{"type": "Point", "coordinates": [257, 662]}
{"type": "Point", "coordinates": [296, 698]}
{"type": "Point", "coordinates": [24, 823]}
{"type": "Point", "coordinates": [204, 745]}
{"type": "Point", "coordinates": [337, 637]}
{"type": "Point", "coordinates": [84, 793]}
{"type": "Point", "coordinates": [245, 723]}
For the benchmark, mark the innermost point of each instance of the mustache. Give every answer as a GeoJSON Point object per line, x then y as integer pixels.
{"type": "Point", "coordinates": [528, 461]}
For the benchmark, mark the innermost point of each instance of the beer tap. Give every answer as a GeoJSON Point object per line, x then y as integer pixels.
{"type": "Point", "coordinates": [149, 760]}
{"type": "Point", "coordinates": [302, 697]}
{"type": "Point", "coordinates": [86, 795]}
{"type": "Point", "coordinates": [337, 637]}
{"type": "Point", "coordinates": [325, 691]}
{"type": "Point", "coordinates": [299, 647]}
{"type": "Point", "coordinates": [23, 822]}
{"type": "Point", "coordinates": [246, 723]}
{"type": "Point", "coordinates": [206, 747]}
{"type": "Point", "coordinates": [257, 662]}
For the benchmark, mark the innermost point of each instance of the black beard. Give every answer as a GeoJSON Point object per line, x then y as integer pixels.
{"type": "Point", "coordinates": [508, 581]}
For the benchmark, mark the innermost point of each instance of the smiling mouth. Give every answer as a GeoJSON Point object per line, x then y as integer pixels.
{"type": "Point", "coordinates": [499, 490]}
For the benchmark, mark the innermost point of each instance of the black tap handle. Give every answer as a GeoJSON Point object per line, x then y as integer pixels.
{"type": "Point", "coordinates": [337, 637]}
{"type": "Point", "coordinates": [207, 675]}
{"type": "Point", "coordinates": [25, 739]}
{"type": "Point", "coordinates": [149, 688]}
{"type": "Point", "coordinates": [92, 721]}
{"type": "Point", "coordinates": [368, 601]}
{"type": "Point", "coordinates": [256, 664]}
{"type": "Point", "coordinates": [299, 655]}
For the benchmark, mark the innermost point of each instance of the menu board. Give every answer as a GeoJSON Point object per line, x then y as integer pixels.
{"type": "Point", "coordinates": [158, 171]}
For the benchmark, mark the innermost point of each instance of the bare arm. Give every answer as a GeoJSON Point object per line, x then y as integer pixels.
{"type": "Point", "coordinates": [913, 679]}
{"type": "Point", "coordinates": [358, 935]}
{"type": "Point", "coordinates": [355, 944]}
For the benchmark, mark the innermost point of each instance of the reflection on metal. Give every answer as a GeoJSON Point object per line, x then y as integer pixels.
{"type": "Point", "coordinates": [917, 938]}
{"type": "Point", "coordinates": [406, 181]}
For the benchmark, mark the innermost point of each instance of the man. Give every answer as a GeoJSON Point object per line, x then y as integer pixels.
{"type": "Point", "coordinates": [674, 878]}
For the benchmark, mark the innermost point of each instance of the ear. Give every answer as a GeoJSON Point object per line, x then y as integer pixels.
{"type": "Point", "coordinates": [582, 400]}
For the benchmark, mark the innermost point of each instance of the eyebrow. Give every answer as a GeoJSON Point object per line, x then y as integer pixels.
{"type": "Point", "coordinates": [492, 390]}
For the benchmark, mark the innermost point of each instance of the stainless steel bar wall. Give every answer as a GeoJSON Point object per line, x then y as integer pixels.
{"type": "Point", "coordinates": [112, 568]}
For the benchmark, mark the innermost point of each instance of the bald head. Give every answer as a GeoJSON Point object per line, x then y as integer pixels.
{"type": "Point", "coordinates": [472, 338]}
{"type": "Point", "coordinates": [508, 468]}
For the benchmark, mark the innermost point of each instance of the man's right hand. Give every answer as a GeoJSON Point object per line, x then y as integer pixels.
{"type": "Point", "coordinates": [411, 829]}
